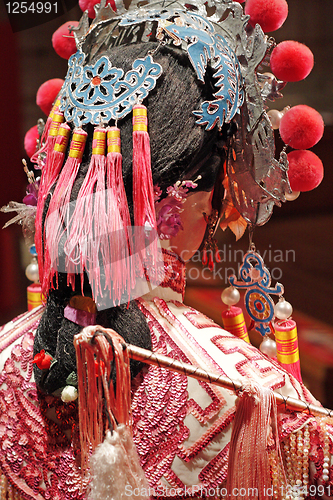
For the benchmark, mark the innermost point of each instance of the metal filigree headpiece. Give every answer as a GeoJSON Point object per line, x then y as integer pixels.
{"type": "Point", "coordinates": [214, 33]}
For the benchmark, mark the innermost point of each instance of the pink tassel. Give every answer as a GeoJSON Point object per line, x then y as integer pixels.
{"type": "Point", "coordinates": [49, 133]}
{"type": "Point", "coordinates": [249, 467]}
{"type": "Point", "coordinates": [58, 155]}
{"type": "Point", "coordinates": [143, 190]}
{"type": "Point", "coordinates": [88, 237]}
{"type": "Point", "coordinates": [123, 276]}
{"type": "Point", "coordinates": [94, 369]}
{"type": "Point", "coordinates": [49, 174]}
{"type": "Point", "coordinates": [58, 212]}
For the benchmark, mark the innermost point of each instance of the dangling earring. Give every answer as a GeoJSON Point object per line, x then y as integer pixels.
{"type": "Point", "coordinates": [210, 249]}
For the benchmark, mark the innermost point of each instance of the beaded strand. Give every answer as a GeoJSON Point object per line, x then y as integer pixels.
{"type": "Point", "coordinates": [296, 452]}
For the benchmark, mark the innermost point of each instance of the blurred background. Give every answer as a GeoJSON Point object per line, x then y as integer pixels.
{"type": "Point", "coordinates": [298, 240]}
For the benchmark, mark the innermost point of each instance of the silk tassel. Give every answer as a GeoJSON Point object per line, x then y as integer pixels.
{"type": "Point", "coordinates": [253, 434]}
{"type": "Point", "coordinates": [58, 214]}
{"type": "Point", "coordinates": [143, 191]}
{"type": "Point", "coordinates": [115, 467]}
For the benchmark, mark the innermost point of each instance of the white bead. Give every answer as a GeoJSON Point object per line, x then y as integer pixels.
{"type": "Point", "coordinates": [284, 111]}
{"type": "Point", "coordinates": [325, 477]}
{"type": "Point", "coordinates": [69, 393]}
{"type": "Point", "coordinates": [230, 296]}
{"type": "Point", "coordinates": [275, 118]}
{"type": "Point", "coordinates": [283, 309]}
{"type": "Point", "coordinates": [31, 271]}
{"type": "Point", "coordinates": [268, 347]}
{"type": "Point", "coordinates": [292, 196]}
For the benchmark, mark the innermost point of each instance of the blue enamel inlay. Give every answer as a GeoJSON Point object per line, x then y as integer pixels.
{"type": "Point", "coordinates": [100, 92]}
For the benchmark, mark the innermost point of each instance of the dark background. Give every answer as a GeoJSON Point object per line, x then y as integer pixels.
{"type": "Point", "coordinates": [305, 225]}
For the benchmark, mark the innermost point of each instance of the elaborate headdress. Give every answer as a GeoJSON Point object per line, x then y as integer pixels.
{"type": "Point", "coordinates": [97, 93]}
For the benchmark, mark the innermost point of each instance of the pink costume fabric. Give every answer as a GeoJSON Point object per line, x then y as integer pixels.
{"type": "Point", "coordinates": [182, 427]}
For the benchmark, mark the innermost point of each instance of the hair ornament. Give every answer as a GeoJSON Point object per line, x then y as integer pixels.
{"type": "Point", "coordinates": [168, 210]}
{"type": "Point", "coordinates": [99, 91]}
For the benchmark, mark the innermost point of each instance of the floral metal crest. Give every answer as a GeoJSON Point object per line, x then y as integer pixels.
{"type": "Point", "coordinates": [99, 92]}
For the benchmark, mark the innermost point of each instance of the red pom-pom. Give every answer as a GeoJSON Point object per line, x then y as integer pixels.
{"type": "Point", "coordinates": [89, 6]}
{"type": "Point", "coordinates": [30, 141]}
{"type": "Point", "coordinates": [291, 61]}
{"type": "Point", "coordinates": [42, 360]}
{"type": "Point", "coordinates": [301, 127]}
{"type": "Point", "coordinates": [306, 170]}
{"type": "Point", "coordinates": [270, 14]}
{"type": "Point", "coordinates": [47, 93]}
{"type": "Point", "coordinates": [63, 41]}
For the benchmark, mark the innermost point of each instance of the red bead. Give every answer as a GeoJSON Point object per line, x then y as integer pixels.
{"type": "Point", "coordinates": [90, 4]}
{"type": "Point", "coordinates": [204, 257]}
{"type": "Point", "coordinates": [47, 93]}
{"type": "Point", "coordinates": [30, 141]}
{"type": "Point", "coordinates": [42, 360]}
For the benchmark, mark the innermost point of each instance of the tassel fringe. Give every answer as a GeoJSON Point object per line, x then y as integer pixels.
{"type": "Point", "coordinates": [249, 468]}
{"type": "Point", "coordinates": [143, 191]}
{"type": "Point", "coordinates": [116, 471]}
{"type": "Point", "coordinates": [57, 219]}
{"type": "Point", "coordinates": [115, 467]}
{"type": "Point", "coordinates": [96, 347]}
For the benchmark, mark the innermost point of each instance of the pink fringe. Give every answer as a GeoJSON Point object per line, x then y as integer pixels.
{"type": "Point", "coordinates": [88, 240]}
{"type": "Point", "coordinates": [47, 140]}
{"type": "Point", "coordinates": [143, 190]}
{"type": "Point", "coordinates": [58, 216]}
{"type": "Point", "coordinates": [94, 373]}
{"type": "Point", "coordinates": [249, 466]}
{"type": "Point", "coordinates": [143, 199]}
{"type": "Point", "coordinates": [57, 157]}
{"type": "Point", "coordinates": [120, 226]}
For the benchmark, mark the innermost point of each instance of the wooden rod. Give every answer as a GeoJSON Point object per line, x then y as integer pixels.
{"type": "Point", "coordinates": [162, 361]}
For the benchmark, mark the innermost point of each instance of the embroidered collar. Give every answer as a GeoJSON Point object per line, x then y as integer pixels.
{"type": "Point", "coordinates": [173, 285]}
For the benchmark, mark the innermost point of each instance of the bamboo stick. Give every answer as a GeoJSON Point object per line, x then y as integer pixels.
{"type": "Point", "coordinates": [152, 358]}
{"type": "Point", "coordinates": [162, 361]}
